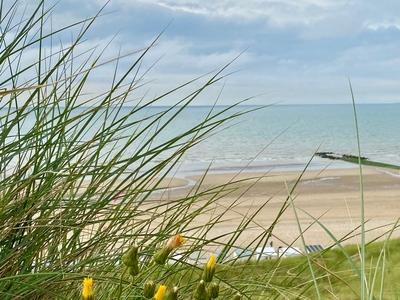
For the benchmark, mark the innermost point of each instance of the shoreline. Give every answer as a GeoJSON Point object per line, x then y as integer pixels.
{"type": "Point", "coordinates": [189, 170]}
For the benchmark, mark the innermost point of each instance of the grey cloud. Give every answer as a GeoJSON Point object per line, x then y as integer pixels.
{"type": "Point", "coordinates": [304, 50]}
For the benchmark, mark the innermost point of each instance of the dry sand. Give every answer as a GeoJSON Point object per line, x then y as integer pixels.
{"type": "Point", "coordinates": [332, 196]}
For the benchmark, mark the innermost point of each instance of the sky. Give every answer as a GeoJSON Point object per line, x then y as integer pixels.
{"type": "Point", "coordinates": [278, 51]}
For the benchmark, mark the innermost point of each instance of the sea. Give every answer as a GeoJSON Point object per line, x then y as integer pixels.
{"type": "Point", "coordinates": [274, 137]}
{"type": "Point", "coordinates": [287, 137]}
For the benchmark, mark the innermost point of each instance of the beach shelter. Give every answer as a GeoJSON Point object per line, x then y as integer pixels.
{"type": "Point", "coordinates": [266, 253]}
{"type": "Point", "coordinates": [242, 254]}
{"type": "Point", "coordinates": [313, 248]}
{"type": "Point", "coordinates": [289, 251]}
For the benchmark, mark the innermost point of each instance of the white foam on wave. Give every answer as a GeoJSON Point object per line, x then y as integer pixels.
{"type": "Point", "coordinates": [320, 179]}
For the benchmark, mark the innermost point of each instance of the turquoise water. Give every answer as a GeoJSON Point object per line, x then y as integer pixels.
{"type": "Point", "coordinates": [277, 137]}
{"type": "Point", "coordinates": [283, 137]}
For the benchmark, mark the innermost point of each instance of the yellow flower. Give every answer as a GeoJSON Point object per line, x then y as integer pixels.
{"type": "Point", "coordinates": [175, 241]}
{"type": "Point", "coordinates": [160, 293]}
{"type": "Point", "coordinates": [209, 269]}
{"type": "Point", "coordinates": [211, 261]}
{"type": "Point", "coordinates": [87, 292]}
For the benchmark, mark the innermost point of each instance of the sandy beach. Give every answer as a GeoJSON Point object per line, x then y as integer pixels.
{"type": "Point", "coordinates": [331, 196]}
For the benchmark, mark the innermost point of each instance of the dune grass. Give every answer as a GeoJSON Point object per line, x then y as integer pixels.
{"type": "Point", "coordinates": [83, 179]}
{"type": "Point", "coordinates": [77, 173]}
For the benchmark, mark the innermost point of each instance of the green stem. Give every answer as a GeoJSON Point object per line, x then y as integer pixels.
{"type": "Point", "coordinates": [120, 283]}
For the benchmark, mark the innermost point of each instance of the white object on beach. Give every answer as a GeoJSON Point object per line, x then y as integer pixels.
{"type": "Point", "coordinates": [289, 251]}
{"type": "Point", "coordinates": [259, 254]}
{"type": "Point", "coordinates": [265, 253]}
{"type": "Point", "coordinates": [242, 254]}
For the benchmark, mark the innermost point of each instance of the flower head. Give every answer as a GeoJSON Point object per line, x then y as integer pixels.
{"type": "Point", "coordinates": [148, 289]}
{"type": "Point", "coordinates": [211, 261]}
{"type": "Point", "coordinates": [200, 293]}
{"type": "Point", "coordinates": [213, 290]}
{"type": "Point", "coordinates": [175, 241]}
{"type": "Point", "coordinates": [160, 292]}
{"type": "Point", "coordinates": [130, 258]}
{"type": "Point", "coordinates": [87, 292]}
{"type": "Point", "coordinates": [209, 269]}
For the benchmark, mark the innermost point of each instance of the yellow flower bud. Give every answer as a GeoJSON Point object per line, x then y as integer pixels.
{"type": "Point", "coordinates": [209, 269]}
{"type": "Point", "coordinates": [174, 242]}
{"type": "Point", "coordinates": [200, 293]}
{"type": "Point", "coordinates": [160, 292]}
{"type": "Point", "coordinates": [237, 297]}
{"type": "Point", "coordinates": [148, 289]}
{"type": "Point", "coordinates": [87, 292]}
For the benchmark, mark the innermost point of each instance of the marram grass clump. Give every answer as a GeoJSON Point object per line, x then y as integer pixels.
{"type": "Point", "coordinates": [78, 167]}
{"type": "Point", "coordinates": [206, 288]}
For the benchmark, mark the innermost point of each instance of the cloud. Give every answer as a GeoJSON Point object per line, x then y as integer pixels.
{"type": "Point", "coordinates": [303, 50]}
